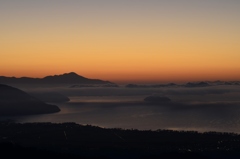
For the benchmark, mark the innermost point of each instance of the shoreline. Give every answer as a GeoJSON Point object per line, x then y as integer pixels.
{"type": "Point", "coordinates": [92, 141]}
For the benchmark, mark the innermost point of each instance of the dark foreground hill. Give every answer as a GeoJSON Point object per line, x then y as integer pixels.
{"type": "Point", "coordinates": [16, 102]}
{"type": "Point", "coordinates": [67, 78]}
{"type": "Point", "coordinates": [71, 140]}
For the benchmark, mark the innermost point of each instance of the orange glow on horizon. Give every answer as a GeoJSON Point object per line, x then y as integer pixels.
{"type": "Point", "coordinates": [141, 42]}
{"type": "Point", "coordinates": [134, 77]}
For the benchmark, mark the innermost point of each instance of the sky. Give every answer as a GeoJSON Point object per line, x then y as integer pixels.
{"type": "Point", "coordinates": [121, 40]}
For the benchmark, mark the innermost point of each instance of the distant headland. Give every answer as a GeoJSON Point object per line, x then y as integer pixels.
{"type": "Point", "coordinates": [14, 101]}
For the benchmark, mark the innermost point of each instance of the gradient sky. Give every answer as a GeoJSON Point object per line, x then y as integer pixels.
{"type": "Point", "coordinates": [121, 40]}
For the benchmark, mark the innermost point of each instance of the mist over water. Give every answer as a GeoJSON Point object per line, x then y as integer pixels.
{"type": "Point", "coordinates": [213, 108]}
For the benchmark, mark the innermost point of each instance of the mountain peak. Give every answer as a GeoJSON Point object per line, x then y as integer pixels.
{"type": "Point", "coordinates": [71, 73]}
{"type": "Point", "coordinates": [66, 78]}
{"type": "Point", "coordinates": [72, 76]}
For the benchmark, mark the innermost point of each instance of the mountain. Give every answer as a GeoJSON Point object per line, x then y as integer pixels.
{"type": "Point", "coordinates": [94, 85]}
{"type": "Point", "coordinates": [198, 84]}
{"type": "Point", "coordinates": [150, 86]}
{"type": "Point", "coordinates": [67, 78]}
{"type": "Point", "coordinates": [14, 101]}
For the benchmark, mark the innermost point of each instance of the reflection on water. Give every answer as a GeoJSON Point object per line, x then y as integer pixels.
{"type": "Point", "coordinates": [215, 108]}
{"type": "Point", "coordinates": [120, 113]}
{"type": "Point", "coordinates": [105, 99]}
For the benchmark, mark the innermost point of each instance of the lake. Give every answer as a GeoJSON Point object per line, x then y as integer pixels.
{"type": "Point", "coordinates": [197, 109]}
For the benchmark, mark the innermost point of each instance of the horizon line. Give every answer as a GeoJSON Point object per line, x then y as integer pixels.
{"type": "Point", "coordinates": [130, 81]}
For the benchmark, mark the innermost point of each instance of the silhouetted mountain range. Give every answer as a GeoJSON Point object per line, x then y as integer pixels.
{"type": "Point", "coordinates": [94, 85]}
{"type": "Point", "coordinates": [16, 102]}
{"type": "Point", "coordinates": [151, 86]}
{"type": "Point", "coordinates": [67, 78]}
{"type": "Point", "coordinates": [189, 84]}
{"type": "Point", "coordinates": [198, 84]}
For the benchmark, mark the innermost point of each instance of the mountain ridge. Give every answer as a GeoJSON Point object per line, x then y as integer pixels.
{"type": "Point", "coordinates": [66, 78]}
